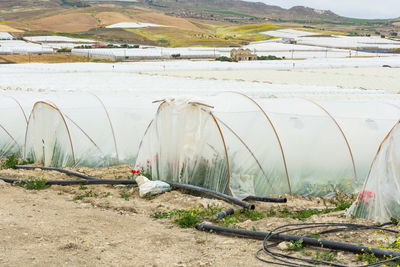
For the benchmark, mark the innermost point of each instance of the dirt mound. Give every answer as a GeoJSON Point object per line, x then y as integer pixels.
{"type": "Point", "coordinates": [162, 19]}
{"type": "Point", "coordinates": [77, 22]}
{"type": "Point", "coordinates": [108, 18]}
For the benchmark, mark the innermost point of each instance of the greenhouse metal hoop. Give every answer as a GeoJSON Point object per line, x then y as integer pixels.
{"type": "Point", "coordinates": [111, 125]}
{"type": "Point", "coordinates": [20, 106]}
{"type": "Point", "coordinates": [379, 149]}
{"type": "Point", "coordinates": [275, 133]}
{"type": "Point", "coordinates": [247, 147]}
{"type": "Point", "coordinates": [341, 131]}
{"type": "Point", "coordinates": [391, 104]}
{"type": "Point", "coordinates": [65, 124]}
{"type": "Point", "coordinates": [226, 152]}
{"type": "Point", "coordinates": [74, 123]}
{"type": "Point", "coordinates": [4, 129]}
{"type": "Point", "coordinates": [88, 137]}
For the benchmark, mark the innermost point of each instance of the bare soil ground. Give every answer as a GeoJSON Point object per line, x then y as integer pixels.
{"type": "Point", "coordinates": [46, 58]}
{"type": "Point", "coordinates": [74, 22]}
{"type": "Point", "coordinates": [51, 227]}
{"type": "Point", "coordinates": [6, 28]}
{"type": "Point", "coordinates": [108, 18]}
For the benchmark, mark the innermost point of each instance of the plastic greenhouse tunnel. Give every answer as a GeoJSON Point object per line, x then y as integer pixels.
{"type": "Point", "coordinates": [87, 129]}
{"type": "Point", "coordinates": [379, 200]}
{"type": "Point", "coordinates": [12, 128]}
{"type": "Point", "coordinates": [265, 146]}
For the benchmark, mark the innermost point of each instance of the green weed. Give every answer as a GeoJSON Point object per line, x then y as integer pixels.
{"type": "Point", "coordinates": [10, 162]}
{"type": "Point", "coordinates": [13, 160]}
{"type": "Point", "coordinates": [36, 184]}
{"type": "Point", "coordinates": [295, 245]}
{"type": "Point", "coordinates": [242, 215]}
{"type": "Point", "coordinates": [104, 195]}
{"type": "Point", "coordinates": [325, 256]}
{"type": "Point", "coordinates": [307, 213]}
{"type": "Point", "coordinates": [82, 187]}
{"type": "Point", "coordinates": [229, 220]}
{"type": "Point", "coordinates": [369, 258]}
{"type": "Point", "coordinates": [125, 196]}
{"type": "Point", "coordinates": [89, 193]}
{"type": "Point", "coordinates": [189, 217]}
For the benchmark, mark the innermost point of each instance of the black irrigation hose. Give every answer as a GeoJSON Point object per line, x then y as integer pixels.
{"type": "Point", "coordinates": [213, 193]}
{"type": "Point", "coordinates": [267, 199]}
{"type": "Point", "coordinates": [224, 213]}
{"type": "Point", "coordinates": [280, 257]}
{"type": "Point", "coordinates": [306, 240]}
{"type": "Point", "coordinates": [117, 181]}
{"type": "Point", "coordinates": [77, 174]}
{"type": "Point", "coordinates": [73, 182]}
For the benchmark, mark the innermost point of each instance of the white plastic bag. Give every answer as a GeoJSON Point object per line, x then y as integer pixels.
{"type": "Point", "coordinates": [147, 187]}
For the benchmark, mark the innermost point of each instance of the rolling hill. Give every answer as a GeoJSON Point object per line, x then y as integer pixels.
{"type": "Point", "coordinates": [188, 22]}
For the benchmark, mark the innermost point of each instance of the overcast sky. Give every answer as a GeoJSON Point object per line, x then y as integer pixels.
{"type": "Point", "coordinates": [370, 9]}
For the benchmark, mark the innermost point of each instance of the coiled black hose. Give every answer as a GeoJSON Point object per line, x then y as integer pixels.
{"type": "Point", "coordinates": [266, 236]}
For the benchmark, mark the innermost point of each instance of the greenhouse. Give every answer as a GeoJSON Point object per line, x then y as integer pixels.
{"type": "Point", "coordinates": [379, 199]}
{"type": "Point", "coordinates": [265, 146]}
{"type": "Point", "coordinates": [12, 128]}
{"type": "Point", "coordinates": [86, 129]}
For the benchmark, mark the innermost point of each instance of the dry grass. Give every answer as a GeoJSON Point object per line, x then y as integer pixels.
{"type": "Point", "coordinates": [47, 58]}
{"type": "Point", "coordinates": [75, 22]}
{"type": "Point", "coordinates": [6, 28]}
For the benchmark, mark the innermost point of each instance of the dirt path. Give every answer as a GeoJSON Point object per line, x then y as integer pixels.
{"type": "Point", "coordinates": [50, 227]}
{"type": "Point", "coordinates": [45, 228]}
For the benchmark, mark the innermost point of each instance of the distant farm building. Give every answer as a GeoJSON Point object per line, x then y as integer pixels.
{"type": "Point", "coordinates": [242, 55]}
{"type": "Point", "coordinates": [289, 41]}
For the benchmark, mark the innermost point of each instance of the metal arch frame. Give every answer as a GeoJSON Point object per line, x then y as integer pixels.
{"type": "Point", "coordinates": [5, 130]}
{"type": "Point", "coordinates": [65, 124]}
{"type": "Point", "coordinates": [226, 151]}
{"type": "Point", "coordinates": [247, 147]}
{"type": "Point", "coordinates": [163, 101]}
{"type": "Point", "coordinates": [110, 123]}
{"type": "Point", "coordinates": [20, 106]}
{"type": "Point", "coordinates": [141, 141]}
{"type": "Point", "coordinates": [380, 148]}
{"type": "Point", "coordinates": [390, 104]}
{"type": "Point", "coordinates": [341, 131]}
{"type": "Point", "coordinates": [275, 133]}
{"type": "Point", "coordinates": [73, 122]}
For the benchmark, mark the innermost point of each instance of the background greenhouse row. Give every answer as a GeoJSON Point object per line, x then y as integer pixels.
{"type": "Point", "coordinates": [242, 146]}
